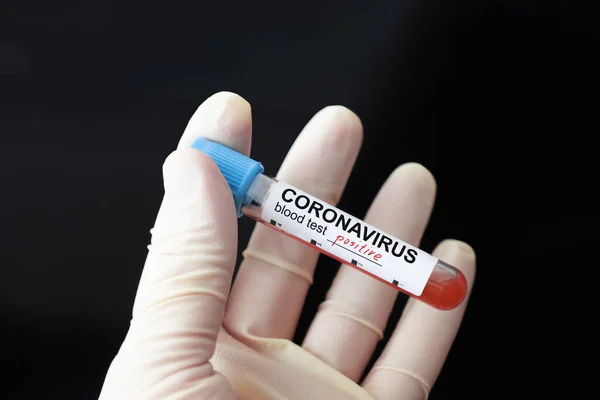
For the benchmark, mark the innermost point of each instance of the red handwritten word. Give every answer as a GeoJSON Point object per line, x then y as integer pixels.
{"type": "Point", "coordinates": [362, 249]}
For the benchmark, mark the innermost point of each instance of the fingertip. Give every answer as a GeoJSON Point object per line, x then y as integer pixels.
{"type": "Point", "coordinates": [189, 169]}
{"type": "Point", "coordinates": [421, 176]}
{"type": "Point", "coordinates": [348, 122]}
{"type": "Point", "coordinates": [224, 117]}
{"type": "Point", "coordinates": [225, 94]}
{"type": "Point", "coordinates": [414, 180]}
{"type": "Point", "coordinates": [460, 255]}
{"type": "Point", "coordinates": [334, 132]}
{"type": "Point", "coordinates": [197, 197]}
{"type": "Point", "coordinates": [343, 112]}
{"type": "Point", "coordinates": [451, 245]}
{"type": "Point", "coordinates": [180, 162]}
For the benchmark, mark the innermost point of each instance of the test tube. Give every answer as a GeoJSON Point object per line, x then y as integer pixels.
{"type": "Point", "coordinates": [335, 233]}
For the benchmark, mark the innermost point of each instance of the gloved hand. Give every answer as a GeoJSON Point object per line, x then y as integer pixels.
{"type": "Point", "coordinates": [190, 338]}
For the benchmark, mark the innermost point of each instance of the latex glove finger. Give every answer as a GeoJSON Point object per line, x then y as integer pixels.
{"type": "Point", "coordinates": [181, 299]}
{"type": "Point", "coordinates": [181, 296]}
{"type": "Point", "coordinates": [356, 310]}
{"type": "Point", "coordinates": [416, 352]}
{"type": "Point", "coordinates": [319, 163]}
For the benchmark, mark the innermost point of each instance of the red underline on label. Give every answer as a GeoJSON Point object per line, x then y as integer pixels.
{"type": "Point", "coordinates": [360, 255]}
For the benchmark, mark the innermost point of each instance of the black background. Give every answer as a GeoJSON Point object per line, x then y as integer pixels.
{"type": "Point", "coordinates": [496, 98]}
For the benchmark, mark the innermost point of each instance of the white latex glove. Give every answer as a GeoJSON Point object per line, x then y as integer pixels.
{"type": "Point", "coordinates": [190, 338]}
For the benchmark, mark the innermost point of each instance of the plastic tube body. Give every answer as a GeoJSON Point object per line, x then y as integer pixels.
{"type": "Point", "coordinates": [354, 243]}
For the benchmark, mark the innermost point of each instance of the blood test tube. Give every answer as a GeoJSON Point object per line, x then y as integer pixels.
{"type": "Point", "coordinates": [335, 233]}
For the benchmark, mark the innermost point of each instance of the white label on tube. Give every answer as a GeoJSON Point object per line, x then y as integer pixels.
{"type": "Point", "coordinates": [348, 238]}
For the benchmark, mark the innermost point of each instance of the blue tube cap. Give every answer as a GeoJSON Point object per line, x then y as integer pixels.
{"type": "Point", "coordinates": [239, 171]}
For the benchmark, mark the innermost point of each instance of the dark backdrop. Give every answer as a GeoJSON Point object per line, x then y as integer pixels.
{"type": "Point", "coordinates": [496, 98]}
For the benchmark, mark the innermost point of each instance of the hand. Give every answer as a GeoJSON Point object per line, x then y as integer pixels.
{"type": "Point", "coordinates": [190, 338]}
